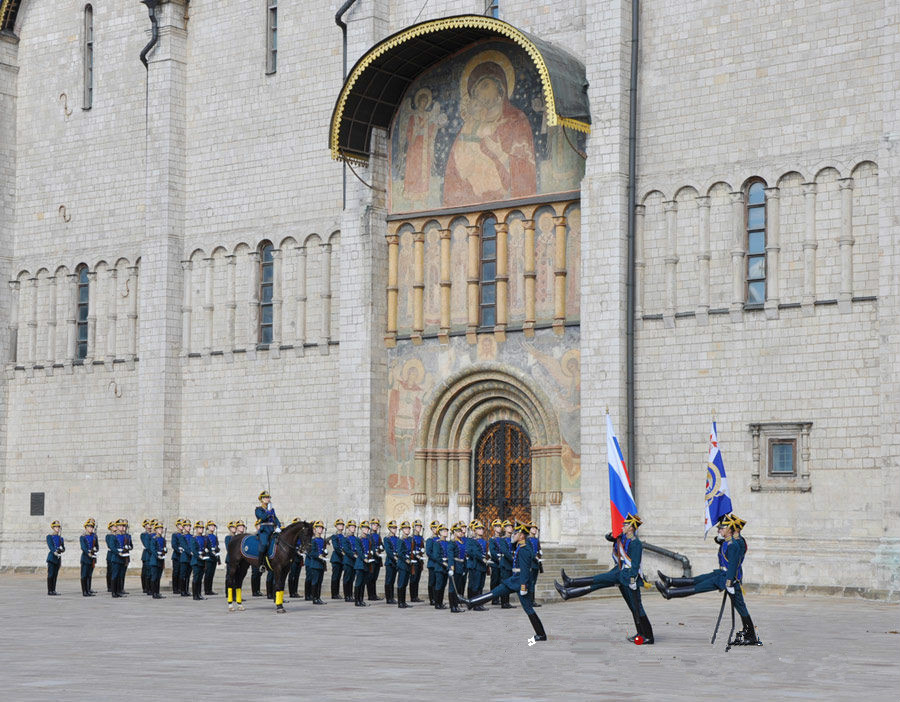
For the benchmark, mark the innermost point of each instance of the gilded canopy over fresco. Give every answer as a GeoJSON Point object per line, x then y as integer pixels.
{"type": "Point", "coordinates": [472, 130]}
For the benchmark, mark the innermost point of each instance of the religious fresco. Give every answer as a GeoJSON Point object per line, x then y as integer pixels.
{"type": "Point", "coordinates": [473, 130]}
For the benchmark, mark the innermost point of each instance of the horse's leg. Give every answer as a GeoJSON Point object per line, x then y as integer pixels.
{"type": "Point", "coordinates": [229, 585]}
{"type": "Point", "coordinates": [280, 575]}
{"type": "Point", "coordinates": [237, 579]}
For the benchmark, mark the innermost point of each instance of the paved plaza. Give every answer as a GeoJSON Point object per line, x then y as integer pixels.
{"type": "Point", "coordinates": [71, 648]}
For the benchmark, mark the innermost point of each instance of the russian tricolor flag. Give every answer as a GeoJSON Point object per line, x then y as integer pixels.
{"type": "Point", "coordinates": [621, 501]}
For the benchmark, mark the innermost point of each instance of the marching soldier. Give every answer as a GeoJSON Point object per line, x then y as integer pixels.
{"type": "Point", "coordinates": [337, 558]}
{"type": "Point", "coordinates": [56, 545]}
{"type": "Point", "coordinates": [377, 555]}
{"type": "Point", "coordinates": [505, 545]}
{"type": "Point", "coordinates": [145, 557]}
{"type": "Point", "coordinates": [296, 567]}
{"type": "Point", "coordinates": [316, 558]}
{"type": "Point", "coordinates": [391, 545]}
{"type": "Point", "coordinates": [405, 560]}
{"type": "Point", "coordinates": [157, 558]}
{"type": "Point", "coordinates": [494, 551]}
{"type": "Point", "coordinates": [538, 566]}
{"type": "Point", "coordinates": [477, 561]}
{"type": "Point", "coordinates": [728, 577]}
{"type": "Point", "coordinates": [89, 548]}
{"type": "Point", "coordinates": [417, 561]}
{"type": "Point", "coordinates": [349, 546]}
{"type": "Point", "coordinates": [443, 569]}
{"type": "Point", "coordinates": [212, 544]}
{"type": "Point", "coordinates": [432, 563]}
{"type": "Point", "coordinates": [625, 573]}
{"type": "Point", "coordinates": [268, 525]}
{"type": "Point", "coordinates": [519, 582]}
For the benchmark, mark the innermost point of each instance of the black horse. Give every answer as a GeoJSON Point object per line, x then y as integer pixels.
{"type": "Point", "coordinates": [239, 562]}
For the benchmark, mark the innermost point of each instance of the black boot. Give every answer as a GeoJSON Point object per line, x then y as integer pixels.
{"type": "Point", "coordinates": [50, 590]}
{"type": "Point", "coordinates": [645, 631]}
{"type": "Point", "coordinates": [431, 595]}
{"type": "Point", "coordinates": [477, 601]}
{"type": "Point", "coordinates": [673, 592]}
{"type": "Point", "coordinates": [439, 599]}
{"type": "Point", "coordinates": [348, 589]}
{"type": "Point", "coordinates": [108, 580]}
{"type": "Point", "coordinates": [570, 593]}
{"type": "Point", "coordinates": [575, 582]}
{"type": "Point", "coordinates": [414, 592]}
{"type": "Point", "coordinates": [317, 594]}
{"type": "Point", "coordinates": [454, 602]}
{"type": "Point", "coordinates": [197, 585]}
{"type": "Point", "coordinates": [389, 595]}
{"type": "Point", "coordinates": [360, 596]}
{"type": "Point", "coordinates": [370, 589]}
{"type": "Point", "coordinates": [155, 589]}
{"type": "Point", "coordinates": [401, 598]}
{"type": "Point", "coordinates": [335, 589]}
{"type": "Point", "coordinates": [270, 593]}
{"type": "Point", "coordinates": [504, 602]}
{"type": "Point", "coordinates": [674, 582]}
{"type": "Point", "coordinates": [539, 633]}
{"type": "Point", "coordinates": [747, 635]}
{"type": "Point", "coordinates": [90, 583]}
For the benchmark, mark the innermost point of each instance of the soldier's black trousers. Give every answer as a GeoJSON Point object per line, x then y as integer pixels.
{"type": "Point", "coordinates": [414, 578]}
{"type": "Point", "coordinates": [495, 581]}
{"type": "Point", "coordinates": [109, 573]}
{"type": "Point", "coordinates": [476, 582]}
{"type": "Point", "coordinates": [402, 579]}
{"type": "Point", "coordinates": [372, 580]}
{"type": "Point", "coordinates": [156, 572]}
{"type": "Point", "coordinates": [362, 577]}
{"type": "Point", "coordinates": [390, 575]}
{"type": "Point", "coordinates": [315, 578]}
{"type": "Point", "coordinates": [337, 570]}
{"type": "Point", "coordinates": [145, 578]}
{"type": "Point", "coordinates": [52, 575]}
{"type": "Point", "coordinates": [209, 575]}
{"type": "Point", "coordinates": [255, 579]}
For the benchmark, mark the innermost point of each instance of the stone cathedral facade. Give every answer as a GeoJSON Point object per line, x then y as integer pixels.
{"type": "Point", "coordinates": [411, 280]}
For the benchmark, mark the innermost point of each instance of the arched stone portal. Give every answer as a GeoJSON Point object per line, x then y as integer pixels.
{"type": "Point", "coordinates": [502, 474]}
{"type": "Point", "coordinates": [458, 413]}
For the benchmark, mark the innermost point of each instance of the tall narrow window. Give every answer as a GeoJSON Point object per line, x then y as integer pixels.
{"type": "Point", "coordinates": [488, 277]}
{"type": "Point", "coordinates": [265, 293]}
{"type": "Point", "coordinates": [272, 34]}
{"type": "Point", "coordinates": [81, 313]}
{"type": "Point", "coordinates": [756, 243]}
{"type": "Point", "coordinates": [88, 57]}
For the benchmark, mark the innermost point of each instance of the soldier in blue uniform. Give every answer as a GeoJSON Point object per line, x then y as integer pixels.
{"type": "Point", "coordinates": [417, 560]}
{"type": "Point", "coordinates": [337, 558]}
{"type": "Point", "coordinates": [538, 567]}
{"type": "Point", "coordinates": [431, 562]}
{"type": "Point", "coordinates": [391, 544]}
{"type": "Point", "coordinates": [477, 560]}
{"type": "Point", "coordinates": [199, 556]}
{"type": "Point", "coordinates": [129, 547]}
{"type": "Point", "coordinates": [145, 557]}
{"type": "Point", "coordinates": [625, 574]}
{"type": "Point", "coordinates": [157, 558]}
{"type": "Point", "coordinates": [458, 565]}
{"type": "Point", "coordinates": [90, 545]}
{"type": "Point", "coordinates": [505, 548]}
{"type": "Point", "coordinates": [377, 559]}
{"type": "Point", "coordinates": [184, 576]}
{"type": "Point", "coordinates": [56, 545]}
{"type": "Point", "coordinates": [442, 556]}
{"type": "Point", "coordinates": [256, 573]}
{"type": "Point", "coordinates": [119, 558]}
{"type": "Point", "coordinates": [728, 577]}
{"type": "Point", "coordinates": [215, 559]}
{"type": "Point", "coordinates": [364, 563]}
{"type": "Point", "coordinates": [518, 582]}
{"type": "Point", "coordinates": [293, 579]}
{"type": "Point", "coordinates": [111, 551]}
{"type": "Point", "coordinates": [316, 558]}
{"type": "Point", "coordinates": [494, 553]}
{"type": "Point", "coordinates": [349, 546]}
{"type": "Point", "coordinates": [405, 558]}
{"type": "Point", "coordinates": [174, 543]}
{"type": "Point", "coordinates": [268, 525]}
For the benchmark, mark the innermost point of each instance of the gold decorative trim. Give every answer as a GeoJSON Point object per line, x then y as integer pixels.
{"type": "Point", "coordinates": [8, 12]}
{"type": "Point", "coordinates": [430, 27]}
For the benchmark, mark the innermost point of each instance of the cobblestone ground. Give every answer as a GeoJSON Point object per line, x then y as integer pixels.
{"type": "Point", "coordinates": [71, 648]}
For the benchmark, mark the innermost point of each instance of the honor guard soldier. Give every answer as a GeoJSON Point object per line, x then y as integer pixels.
{"type": "Point", "coordinates": [175, 543]}
{"type": "Point", "coordinates": [363, 564]}
{"type": "Point", "coordinates": [157, 558]}
{"type": "Point", "coordinates": [391, 545]}
{"type": "Point", "coordinates": [115, 541]}
{"type": "Point", "coordinates": [349, 545]}
{"type": "Point", "coordinates": [296, 566]}
{"type": "Point", "coordinates": [377, 555]}
{"type": "Point", "coordinates": [129, 547]}
{"type": "Point", "coordinates": [443, 566]}
{"type": "Point", "coordinates": [199, 556]}
{"type": "Point", "coordinates": [56, 545]}
{"type": "Point", "coordinates": [215, 559]}
{"type": "Point", "coordinates": [145, 557]}
{"type": "Point", "coordinates": [519, 582]}
{"type": "Point", "coordinates": [432, 562]}
{"type": "Point", "coordinates": [110, 550]}
{"type": "Point", "coordinates": [256, 573]}
{"type": "Point", "coordinates": [535, 544]}
{"type": "Point", "coordinates": [625, 574]}
{"type": "Point", "coordinates": [337, 558]}
{"type": "Point", "coordinates": [728, 577]}
{"type": "Point", "coordinates": [506, 560]}
{"type": "Point", "coordinates": [405, 560]}
{"type": "Point", "coordinates": [494, 552]}
{"type": "Point", "coordinates": [458, 564]}
{"type": "Point", "coordinates": [417, 561]}
{"type": "Point", "coordinates": [89, 548]}
{"type": "Point", "coordinates": [316, 558]}
{"type": "Point", "coordinates": [268, 525]}
{"type": "Point", "coordinates": [477, 560]}
{"type": "Point", "coordinates": [185, 566]}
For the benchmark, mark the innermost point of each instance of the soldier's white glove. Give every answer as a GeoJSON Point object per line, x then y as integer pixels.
{"type": "Point", "coordinates": [632, 585]}
{"type": "Point", "coordinates": [523, 591]}
{"type": "Point", "coordinates": [450, 572]}
{"type": "Point", "coordinates": [729, 588]}
{"type": "Point", "coordinates": [277, 530]}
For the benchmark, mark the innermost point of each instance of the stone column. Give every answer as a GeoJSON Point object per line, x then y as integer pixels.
{"type": "Point", "coordinates": [393, 290]}
{"type": "Point", "coordinates": [13, 320]}
{"type": "Point", "coordinates": [209, 308]}
{"type": "Point", "coordinates": [420, 487]}
{"type": "Point", "coordinates": [112, 316]}
{"type": "Point", "coordinates": [463, 460]}
{"type": "Point", "coordinates": [325, 297]}
{"type": "Point", "coordinates": [474, 241]}
{"type": "Point", "coordinates": [92, 319]}
{"type": "Point", "coordinates": [809, 249]}
{"type": "Point", "coordinates": [231, 317]}
{"type": "Point", "coordinates": [670, 207]}
{"type": "Point", "coordinates": [444, 333]}
{"type": "Point", "coordinates": [71, 317]}
{"type": "Point", "coordinates": [846, 245]}
{"type": "Point", "coordinates": [703, 257]}
{"type": "Point", "coordinates": [639, 263]}
{"type": "Point", "coordinates": [32, 323]}
{"type": "Point", "coordinates": [300, 299]}
{"type": "Point", "coordinates": [132, 312]}
{"type": "Point", "coordinates": [186, 309]}
{"type": "Point", "coordinates": [737, 255]}
{"type": "Point", "coordinates": [418, 286]}
{"type": "Point", "coordinates": [559, 273]}
{"type": "Point", "coordinates": [441, 497]}
{"type": "Point", "coordinates": [502, 278]}
{"type": "Point", "coordinates": [277, 303]}
{"type": "Point", "coordinates": [530, 276]}
{"type": "Point", "coordinates": [773, 250]}
{"type": "Point", "coordinates": [253, 303]}
{"type": "Point", "coordinates": [51, 322]}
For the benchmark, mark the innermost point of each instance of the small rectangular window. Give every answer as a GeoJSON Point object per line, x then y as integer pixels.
{"type": "Point", "coordinates": [272, 36]}
{"type": "Point", "coordinates": [781, 456]}
{"type": "Point", "coordinates": [37, 504]}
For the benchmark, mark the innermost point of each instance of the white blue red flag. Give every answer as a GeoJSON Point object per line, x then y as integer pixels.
{"type": "Point", "coordinates": [718, 501]}
{"type": "Point", "coordinates": [621, 501]}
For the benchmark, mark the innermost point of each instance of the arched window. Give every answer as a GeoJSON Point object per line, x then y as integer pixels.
{"type": "Point", "coordinates": [81, 312]}
{"type": "Point", "coordinates": [265, 292]}
{"type": "Point", "coordinates": [88, 59]}
{"type": "Point", "coordinates": [756, 243]}
{"type": "Point", "coordinates": [488, 274]}
{"type": "Point", "coordinates": [272, 36]}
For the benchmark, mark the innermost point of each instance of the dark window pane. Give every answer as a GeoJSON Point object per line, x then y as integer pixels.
{"type": "Point", "coordinates": [488, 294]}
{"type": "Point", "coordinates": [488, 271]}
{"type": "Point", "coordinates": [82, 313]}
{"type": "Point", "coordinates": [783, 458]}
{"type": "Point", "coordinates": [82, 276]}
{"type": "Point", "coordinates": [756, 242]}
{"type": "Point", "coordinates": [265, 335]}
{"type": "Point", "coordinates": [489, 248]}
{"type": "Point", "coordinates": [757, 194]}
{"type": "Point", "coordinates": [267, 273]}
{"type": "Point", "coordinates": [756, 293]}
{"type": "Point", "coordinates": [756, 218]}
{"type": "Point", "coordinates": [82, 350]}
{"type": "Point", "coordinates": [756, 267]}
{"type": "Point", "coordinates": [83, 294]}
{"type": "Point", "coordinates": [266, 311]}
{"type": "Point", "coordinates": [488, 227]}
{"type": "Point", "coordinates": [82, 332]}
{"type": "Point", "coordinates": [266, 293]}
{"type": "Point", "coordinates": [37, 504]}
{"type": "Point", "coordinates": [487, 316]}
{"type": "Point", "coordinates": [266, 253]}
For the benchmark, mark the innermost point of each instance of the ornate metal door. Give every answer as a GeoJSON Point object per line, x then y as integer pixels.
{"type": "Point", "coordinates": [503, 474]}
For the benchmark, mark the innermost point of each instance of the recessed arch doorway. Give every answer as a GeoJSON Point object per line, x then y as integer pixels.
{"type": "Point", "coordinates": [503, 473]}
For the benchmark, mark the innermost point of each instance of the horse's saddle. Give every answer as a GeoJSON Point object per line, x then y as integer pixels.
{"type": "Point", "coordinates": [250, 546]}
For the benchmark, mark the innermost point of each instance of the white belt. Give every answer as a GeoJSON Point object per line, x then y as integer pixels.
{"type": "Point", "coordinates": [516, 570]}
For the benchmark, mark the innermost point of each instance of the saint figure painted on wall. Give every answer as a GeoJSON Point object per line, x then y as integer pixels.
{"type": "Point", "coordinates": [421, 127]}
